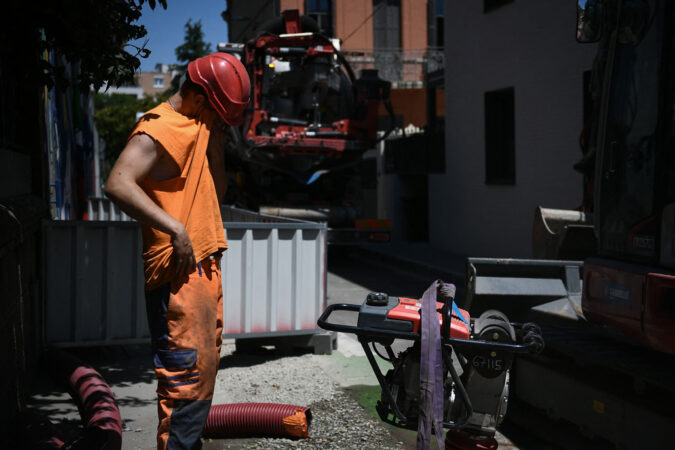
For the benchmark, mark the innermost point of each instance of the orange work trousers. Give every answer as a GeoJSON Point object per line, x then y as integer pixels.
{"type": "Point", "coordinates": [186, 324]}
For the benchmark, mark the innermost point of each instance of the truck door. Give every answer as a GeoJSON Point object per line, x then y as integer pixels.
{"type": "Point", "coordinates": [635, 152]}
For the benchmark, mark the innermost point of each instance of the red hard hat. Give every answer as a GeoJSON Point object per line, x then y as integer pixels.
{"type": "Point", "coordinates": [226, 82]}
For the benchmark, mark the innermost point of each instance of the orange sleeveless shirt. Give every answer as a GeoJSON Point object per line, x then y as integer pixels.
{"type": "Point", "coordinates": [182, 138]}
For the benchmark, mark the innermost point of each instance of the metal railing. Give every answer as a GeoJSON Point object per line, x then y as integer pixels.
{"type": "Point", "coordinates": [403, 67]}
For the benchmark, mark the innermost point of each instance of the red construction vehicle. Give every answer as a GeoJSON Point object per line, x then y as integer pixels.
{"type": "Point", "coordinates": [631, 285]}
{"type": "Point", "coordinates": [609, 321]}
{"type": "Point", "coordinates": [300, 151]}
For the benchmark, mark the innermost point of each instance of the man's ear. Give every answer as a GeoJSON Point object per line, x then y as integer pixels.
{"type": "Point", "coordinates": [200, 100]}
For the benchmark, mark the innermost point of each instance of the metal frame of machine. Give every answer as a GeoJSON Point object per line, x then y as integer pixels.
{"type": "Point", "coordinates": [484, 363]}
{"type": "Point", "coordinates": [296, 136]}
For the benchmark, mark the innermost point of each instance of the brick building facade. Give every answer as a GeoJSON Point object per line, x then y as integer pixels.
{"type": "Point", "coordinates": [154, 83]}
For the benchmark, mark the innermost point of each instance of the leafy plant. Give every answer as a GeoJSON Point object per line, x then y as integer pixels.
{"type": "Point", "coordinates": [93, 33]}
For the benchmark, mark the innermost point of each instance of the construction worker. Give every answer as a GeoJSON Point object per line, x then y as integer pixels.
{"type": "Point", "coordinates": [171, 178]}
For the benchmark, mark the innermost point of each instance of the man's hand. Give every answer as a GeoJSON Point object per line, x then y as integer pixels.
{"type": "Point", "coordinates": [183, 254]}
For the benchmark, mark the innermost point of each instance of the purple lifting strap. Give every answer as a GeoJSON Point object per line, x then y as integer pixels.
{"type": "Point", "coordinates": [431, 372]}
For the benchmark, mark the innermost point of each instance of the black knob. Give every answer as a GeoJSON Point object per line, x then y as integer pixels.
{"type": "Point", "coordinates": [377, 299]}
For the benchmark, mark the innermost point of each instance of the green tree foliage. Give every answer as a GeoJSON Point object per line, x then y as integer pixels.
{"type": "Point", "coordinates": [94, 33]}
{"type": "Point", "coordinates": [115, 117]}
{"type": "Point", "coordinates": [193, 47]}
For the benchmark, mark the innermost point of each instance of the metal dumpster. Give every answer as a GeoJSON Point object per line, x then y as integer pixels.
{"type": "Point", "coordinates": [274, 276]}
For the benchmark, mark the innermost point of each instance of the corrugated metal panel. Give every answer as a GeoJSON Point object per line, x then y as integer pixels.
{"type": "Point", "coordinates": [103, 209]}
{"type": "Point", "coordinates": [273, 279]}
{"type": "Point", "coordinates": [93, 282]}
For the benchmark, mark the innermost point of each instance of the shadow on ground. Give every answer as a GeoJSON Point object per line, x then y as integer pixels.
{"type": "Point", "coordinates": [124, 368]}
{"type": "Point", "coordinates": [254, 356]}
{"type": "Point", "coordinates": [378, 275]}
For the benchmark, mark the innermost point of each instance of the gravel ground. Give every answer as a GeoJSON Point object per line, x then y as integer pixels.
{"type": "Point", "coordinates": [267, 377]}
{"type": "Point", "coordinates": [338, 421]}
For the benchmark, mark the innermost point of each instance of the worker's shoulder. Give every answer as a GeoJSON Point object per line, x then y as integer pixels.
{"type": "Point", "coordinates": [158, 124]}
{"type": "Point", "coordinates": [141, 142]}
{"type": "Point", "coordinates": [157, 116]}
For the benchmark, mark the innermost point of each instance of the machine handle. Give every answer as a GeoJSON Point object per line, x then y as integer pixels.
{"type": "Point", "coordinates": [323, 319]}
{"type": "Point", "coordinates": [322, 322]}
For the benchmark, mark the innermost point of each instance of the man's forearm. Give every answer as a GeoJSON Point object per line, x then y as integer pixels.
{"type": "Point", "coordinates": [135, 202]}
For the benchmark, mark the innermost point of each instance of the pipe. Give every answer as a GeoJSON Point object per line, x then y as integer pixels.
{"type": "Point", "coordinates": [271, 419]}
{"type": "Point", "coordinates": [96, 402]}
{"type": "Point", "coordinates": [549, 228]}
{"type": "Point", "coordinates": [296, 213]}
{"type": "Point", "coordinates": [555, 219]}
{"type": "Point", "coordinates": [334, 215]}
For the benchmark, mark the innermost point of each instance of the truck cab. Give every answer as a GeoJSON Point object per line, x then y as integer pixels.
{"type": "Point", "coordinates": [631, 284]}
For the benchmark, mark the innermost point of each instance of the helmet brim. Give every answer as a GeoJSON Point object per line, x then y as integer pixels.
{"type": "Point", "coordinates": [237, 121]}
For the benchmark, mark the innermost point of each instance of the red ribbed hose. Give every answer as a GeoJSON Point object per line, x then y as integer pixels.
{"type": "Point", "coordinates": [251, 418]}
{"type": "Point", "coordinates": [98, 408]}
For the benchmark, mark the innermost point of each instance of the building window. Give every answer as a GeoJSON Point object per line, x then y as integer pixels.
{"type": "Point", "coordinates": [500, 145]}
{"type": "Point", "coordinates": [386, 24]}
{"type": "Point", "coordinates": [158, 82]}
{"type": "Point", "coordinates": [436, 16]}
{"type": "Point", "coordinates": [489, 5]}
{"type": "Point", "coordinates": [322, 12]}
{"type": "Point", "coordinates": [440, 23]}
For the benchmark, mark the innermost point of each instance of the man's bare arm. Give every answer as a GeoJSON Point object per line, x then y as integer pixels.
{"type": "Point", "coordinates": [123, 187]}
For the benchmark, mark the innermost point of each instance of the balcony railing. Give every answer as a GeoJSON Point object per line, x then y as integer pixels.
{"type": "Point", "coordinates": [403, 67]}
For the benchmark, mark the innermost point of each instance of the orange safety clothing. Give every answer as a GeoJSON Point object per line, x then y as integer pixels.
{"type": "Point", "coordinates": [186, 324]}
{"type": "Point", "coordinates": [190, 197]}
{"type": "Point", "coordinates": [185, 315]}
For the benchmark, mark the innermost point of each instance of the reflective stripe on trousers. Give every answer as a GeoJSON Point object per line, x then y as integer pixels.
{"type": "Point", "coordinates": [186, 324]}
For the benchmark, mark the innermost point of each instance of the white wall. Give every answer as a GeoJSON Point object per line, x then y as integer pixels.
{"type": "Point", "coordinates": [530, 45]}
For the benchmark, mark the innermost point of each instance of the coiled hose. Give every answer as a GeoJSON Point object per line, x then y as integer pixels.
{"type": "Point", "coordinates": [96, 402]}
{"type": "Point", "coordinates": [270, 419]}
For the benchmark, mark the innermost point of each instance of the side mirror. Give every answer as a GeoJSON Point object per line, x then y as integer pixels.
{"type": "Point", "coordinates": [589, 20]}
